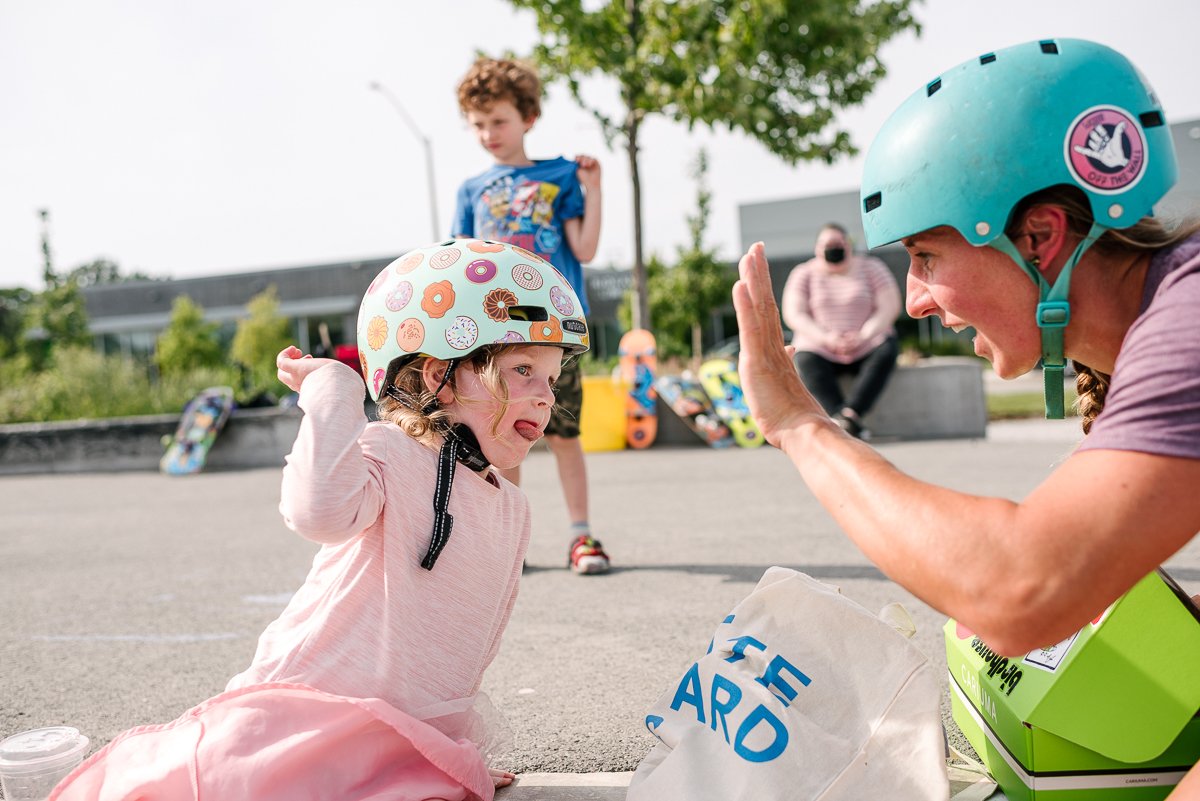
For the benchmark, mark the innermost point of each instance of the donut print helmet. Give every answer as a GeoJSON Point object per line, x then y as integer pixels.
{"type": "Point", "coordinates": [451, 298]}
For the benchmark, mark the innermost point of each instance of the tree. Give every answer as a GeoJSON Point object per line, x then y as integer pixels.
{"type": "Point", "coordinates": [683, 297]}
{"type": "Point", "coordinates": [57, 318]}
{"type": "Point", "coordinates": [102, 271]}
{"type": "Point", "coordinates": [14, 307]}
{"type": "Point", "coordinates": [259, 338]}
{"type": "Point", "coordinates": [777, 70]}
{"type": "Point", "coordinates": [188, 342]}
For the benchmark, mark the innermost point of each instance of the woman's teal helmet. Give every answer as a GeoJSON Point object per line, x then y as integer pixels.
{"type": "Point", "coordinates": [965, 149]}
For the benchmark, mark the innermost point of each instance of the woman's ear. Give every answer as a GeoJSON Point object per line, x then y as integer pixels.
{"type": "Point", "coordinates": [432, 373]}
{"type": "Point", "coordinates": [1046, 230]}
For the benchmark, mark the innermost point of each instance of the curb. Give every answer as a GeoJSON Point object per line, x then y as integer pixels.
{"type": "Point", "coordinates": [560, 786]}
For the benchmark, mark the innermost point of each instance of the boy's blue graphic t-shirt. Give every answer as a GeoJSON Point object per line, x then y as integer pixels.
{"type": "Point", "coordinates": [526, 206]}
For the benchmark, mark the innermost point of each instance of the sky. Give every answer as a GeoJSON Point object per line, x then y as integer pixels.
{"type": "Point", "coordinates": [202, 138]}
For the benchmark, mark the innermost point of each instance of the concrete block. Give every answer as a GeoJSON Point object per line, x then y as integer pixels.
{"type": "Point", "coordinates": [251, 438]}
{"type": "Point", "coordinates": [937, 398]}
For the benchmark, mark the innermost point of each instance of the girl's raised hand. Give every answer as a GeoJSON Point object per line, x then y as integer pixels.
{"type": "Point", "coordinates": [294, 366]}
{"type": "Point", "coordinates": [773, 390]}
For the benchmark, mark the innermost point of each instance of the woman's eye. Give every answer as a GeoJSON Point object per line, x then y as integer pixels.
{"type": "Point", "coordinates": [523, 370]}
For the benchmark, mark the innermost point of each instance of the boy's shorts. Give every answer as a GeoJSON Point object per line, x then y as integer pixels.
{"type": "Point", "coordinates": [568, 397]}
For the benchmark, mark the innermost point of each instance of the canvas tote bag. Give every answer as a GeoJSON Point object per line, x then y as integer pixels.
{"type": "Point", "coordinates": [802, 695]}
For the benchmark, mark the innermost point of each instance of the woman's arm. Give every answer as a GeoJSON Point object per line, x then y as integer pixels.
{"type": "Point", "coordinates": [1021, 575]}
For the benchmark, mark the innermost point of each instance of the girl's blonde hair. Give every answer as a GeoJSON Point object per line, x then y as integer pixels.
{"type": "Point", "coordinates": [409, 381]}
{"type": "Point", "coordinates": [1148, 235]}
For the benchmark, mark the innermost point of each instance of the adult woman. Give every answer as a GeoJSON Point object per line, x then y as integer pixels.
{"type": "Point", "coordinates": [1039, 162]}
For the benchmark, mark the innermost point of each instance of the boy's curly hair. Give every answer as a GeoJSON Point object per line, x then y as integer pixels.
{"type": "Point", "coordinates": [490, 80]}
{"type": "Point", "coordinates": [411, 384]}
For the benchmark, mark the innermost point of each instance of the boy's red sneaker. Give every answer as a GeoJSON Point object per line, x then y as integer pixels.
{"type": "Point", "coordinates": [587, 555]}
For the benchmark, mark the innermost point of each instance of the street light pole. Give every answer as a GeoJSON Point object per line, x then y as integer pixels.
{"type": "Point", "coordinates": [383, 90]}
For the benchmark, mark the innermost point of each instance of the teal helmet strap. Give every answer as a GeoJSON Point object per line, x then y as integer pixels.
{"type": "Point", "coordinates": [1053, 315]}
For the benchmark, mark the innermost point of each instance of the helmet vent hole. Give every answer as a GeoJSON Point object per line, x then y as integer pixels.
{"type": "Point", "coordinates": [1151, 119]}
{"type": "Point", "coordinates": [987, 58]}
{"type": "Point", "coordinates": [933, 87]}
{"type": "Point", "coordinates": [1049, 48]}
{"type": "Point", "coordinates": [531, 314]}
{"type": "Point", "coordinates": [872, 202]}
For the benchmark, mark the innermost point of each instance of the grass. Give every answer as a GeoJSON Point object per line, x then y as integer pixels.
{"type": "Point", "coordinates": [1017, 405]}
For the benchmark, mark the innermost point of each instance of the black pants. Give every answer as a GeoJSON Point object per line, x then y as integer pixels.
{"type": "Point", "coordinates": [871, 374]}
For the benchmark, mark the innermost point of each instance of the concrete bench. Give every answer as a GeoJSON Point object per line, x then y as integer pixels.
{"type": "Point", "coordinates": [937, 398]}
{"type": "Point", "coordinates": [251, 438]}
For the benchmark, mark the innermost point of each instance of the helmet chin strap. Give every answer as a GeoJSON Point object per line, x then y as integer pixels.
{"type": "Point", "coordinates": [1053, 314]}
{"type": "Point", "coordinates": [459, 445]}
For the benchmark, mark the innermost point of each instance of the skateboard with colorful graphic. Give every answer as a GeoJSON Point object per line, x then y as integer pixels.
{"type": "Point", "coordinates": [687, 399]}
{"type": "Point", "coordinates": [202, 420]}
{"type": "Point", "coordinates": [638, 355]}
{"type": "Point", "coordinates": [719, 377]}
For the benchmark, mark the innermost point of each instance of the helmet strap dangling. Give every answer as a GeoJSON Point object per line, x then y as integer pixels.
{"type": "Point", "coordinates": [1053, 313]}
{"type": "Point", "coordinates": [459, 445]}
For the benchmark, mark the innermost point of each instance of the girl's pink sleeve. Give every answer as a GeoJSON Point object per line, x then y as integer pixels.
{"type": "Point", "coordinates": [333, 485]}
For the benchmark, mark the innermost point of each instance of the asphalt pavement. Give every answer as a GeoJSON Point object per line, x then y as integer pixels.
{"type": "Point", "coordinates": [128, 598]}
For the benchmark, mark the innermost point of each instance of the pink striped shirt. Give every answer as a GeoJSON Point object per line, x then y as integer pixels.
{"type": "Point", "coordinates": [818, 302]}
{"type": "Point", "coordinates": [369, 621]}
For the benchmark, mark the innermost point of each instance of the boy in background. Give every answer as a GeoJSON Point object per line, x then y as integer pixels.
{"type": "Point", "coordinates": [552, 208]}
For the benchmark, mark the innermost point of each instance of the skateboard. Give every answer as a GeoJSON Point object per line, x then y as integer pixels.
{"type": "Point", "coordinates": [719, 377]}
{"type": "Point", "coordinates": [638, 356]}
{"type": "Point", "coordinates": [687, 399]}
{"type": "Point", "coordinates": [202, 420]}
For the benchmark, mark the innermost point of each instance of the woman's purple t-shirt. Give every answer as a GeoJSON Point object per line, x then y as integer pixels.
{"type": "Point", "coordinates": [1153, 402]}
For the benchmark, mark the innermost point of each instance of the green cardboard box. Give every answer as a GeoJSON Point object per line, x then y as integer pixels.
{"type": "Point", "coordinates": [1108, 713]}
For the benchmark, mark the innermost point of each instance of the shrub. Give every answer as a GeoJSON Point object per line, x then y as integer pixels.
{"type": "Point", "coordinates": [83, 384]}
{"type": "Point", "coordinates": [188, 342]}
{"type": "Point", "coordinates": [259, 338]}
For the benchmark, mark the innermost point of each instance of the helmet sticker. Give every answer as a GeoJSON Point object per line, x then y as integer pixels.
{"type": "Point", "coordinates": [439, 297]}
{"type": "Point", "coordinates": [485, 247]}
{"type": "Point", "coordinates": [462, 333]}
{"type": "Point", "coordinates": [444, 258]}
{"type": "Point", "coordinates": [526, 276]}
{"type": "Point", "coordinates": [562, 301]}
{"type": "Point", "coordinates": [546, 331]}
{"type": "Point", "coordinates": [410, 334]}
{"type": "Point", "coordinates": [377, 330]}
{"type": "Point", "coordinates": [409, 263]}
{"type": "Point", "coordinates": [497, 303]}
{"type": "Point", "coordinates": [1106, 150]}
{"type": "Point", "coordinates": [481, 271]}
{"type": "Point", "coordinates": [399, 297]}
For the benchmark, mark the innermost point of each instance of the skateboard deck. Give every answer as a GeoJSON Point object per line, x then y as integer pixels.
{"type": "Point", "coordinates": [719, 377]}
{"type": "Point", "coordinates": [202, 420]}
{"type": "Point", "coordinates": [638, 356]}
{"type": "Point", "coordinates": [688, 400]}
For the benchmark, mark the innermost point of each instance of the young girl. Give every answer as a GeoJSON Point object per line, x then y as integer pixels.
{"type": "Point", "coordinates": [417, 574]}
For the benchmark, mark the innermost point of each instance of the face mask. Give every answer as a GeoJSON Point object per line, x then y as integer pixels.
{"type": "Point", "coordinates": [835, 255]}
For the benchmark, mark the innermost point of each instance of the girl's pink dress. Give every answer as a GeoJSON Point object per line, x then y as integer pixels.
{"type": "Point", "coordinates": [283, 742]}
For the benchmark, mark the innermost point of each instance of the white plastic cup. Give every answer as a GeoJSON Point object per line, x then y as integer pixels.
{"type": "Point", "coordinates": [34, 761]}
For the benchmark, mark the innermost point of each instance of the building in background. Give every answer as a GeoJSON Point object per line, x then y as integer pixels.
{"type": "Point", "coordinates": [128, 317]}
